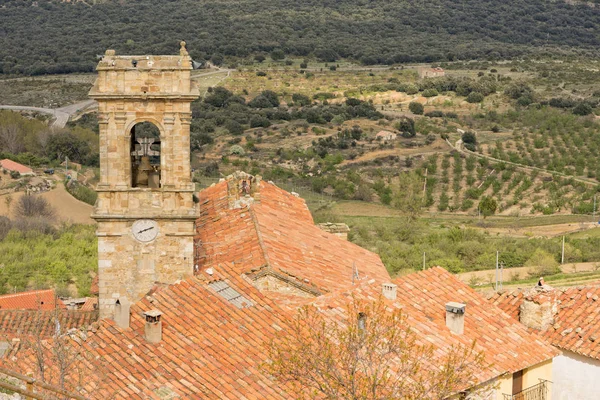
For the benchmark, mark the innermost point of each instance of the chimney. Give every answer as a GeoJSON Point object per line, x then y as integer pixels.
{"type": "Point", "coordinates": [455, 317]}
{"type": "Point", "coordinates": [389, 290]}
{"type": "Point", "coordinates": [122, 313]}
{"type": "Point", "coordinates": [538, 310]}
{"type": "Point", "coordinates": [153, 328]}
{"type": "Point", "coordinates": [242, 189]}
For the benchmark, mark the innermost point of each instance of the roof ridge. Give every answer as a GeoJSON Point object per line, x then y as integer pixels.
{"type": "Point", "coordinates": [30, 292]}
{"type": "Point", "coordinates": [261, 242]}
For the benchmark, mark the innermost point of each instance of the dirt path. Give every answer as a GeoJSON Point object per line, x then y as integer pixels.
{"type": "Point", "coordinates": [436, 147]}
{"type": "Point", "coordinates": [68, 208]}
{"type": "Point", "coordinates": [61, 115]}
{"type": "Point", "coordinates": [488, 276]}
{"type": "Point", "coordinates": [542, 230]}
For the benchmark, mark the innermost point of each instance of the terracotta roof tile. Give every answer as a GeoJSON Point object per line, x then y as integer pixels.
{"type": "Point", "coordinates": [279, 233]}
{"type": "Point", "coordinates": [32, 300]}
{"type": "Point", "coordinates": [11, 165]}
{"type": "Point", "coordinates": [575, 326]}
{"type": "Point", "coordinates": [14, 323]}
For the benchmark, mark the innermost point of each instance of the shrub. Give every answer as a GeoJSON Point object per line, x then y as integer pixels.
{"type": "Point", "coordinates": [475, 97]}
{"type": "Point", "coordinates": [81, 192]}
{"type": "Point", "coordinates": [261, 73]}
{"type": "Point", "coordinates": [430, 93]}
{"type": "Point", "coordinates": [469, 140]}
{"type": "Point", "coordinates": [416, 108]}
{"type": "Point", "coordinates": [582, 109]}
{"type": "Point", "coordinates": [234, 127]}
{"type": "Point", "coordinates": [31, 206]}
{"type": "Point", "coordinates": [435, 114]}
{"type": "Point", "coordinates": [543, 263]}
{"type": "Point", "coordinates": [406, 126]}
{"type": "Point", "coordinates": [237, 150]}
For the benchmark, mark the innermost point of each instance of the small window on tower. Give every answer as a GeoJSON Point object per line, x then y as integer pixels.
{"type": "Point", "coordinates": [145, 156]}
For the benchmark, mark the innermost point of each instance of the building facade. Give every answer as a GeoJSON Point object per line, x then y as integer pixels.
{"type": "Point", "coordinates": [145, 209]}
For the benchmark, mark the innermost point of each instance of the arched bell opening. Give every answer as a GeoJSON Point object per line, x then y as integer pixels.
{"type": "Point", "coordinates": [145, 156]}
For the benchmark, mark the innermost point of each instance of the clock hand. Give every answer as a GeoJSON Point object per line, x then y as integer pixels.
{"type": "Point", "coordinates": [144, 230]}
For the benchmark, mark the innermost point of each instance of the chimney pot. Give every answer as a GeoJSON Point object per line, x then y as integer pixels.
{"type": "Point", "coordinates": [455, 317]}
{"type": "Point", "coordinates": [122, 313]}
{"type": "Point", "coordinates": [153, 328]}
{"type": "Point", "coordinates": [390, 290]}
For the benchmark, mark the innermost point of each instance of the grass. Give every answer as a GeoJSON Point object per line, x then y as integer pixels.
{"type": "Point", "coordinates": [48, 91]}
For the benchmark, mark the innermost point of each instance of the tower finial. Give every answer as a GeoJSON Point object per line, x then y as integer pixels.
{"type": "Point", "coordinates": [183, 51]}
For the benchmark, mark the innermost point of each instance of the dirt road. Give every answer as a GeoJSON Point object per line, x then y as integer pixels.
{"type": "Point", "coordinates": [61, 115]}
{"type": "Point", "coordinates": [489, 275]}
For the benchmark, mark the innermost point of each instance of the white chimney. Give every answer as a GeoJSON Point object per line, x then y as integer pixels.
{"type": "Point", "coordinates": [153, 328]}
{"type": "Point", "coordinates": [122, 312]}
{"type": "Point", "coordinates": [389, 290]}
{"type": "Point", "coordinates": [455, 317]}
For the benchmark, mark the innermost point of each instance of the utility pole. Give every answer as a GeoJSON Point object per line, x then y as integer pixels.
{"type": "Point", "coordinates": [562, 258]}
{"type": "Point", "coordinates": [497, 254]}
{"type": "Point", "coordinates": [594, 213]}
{"type": "Point", "coordinates": [423, 261]}
{"type": "Point", "coordinates": [425, 184]}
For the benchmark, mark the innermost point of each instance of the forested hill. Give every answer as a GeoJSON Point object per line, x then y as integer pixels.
{"type": "Point", "coordinates": [45, 36]}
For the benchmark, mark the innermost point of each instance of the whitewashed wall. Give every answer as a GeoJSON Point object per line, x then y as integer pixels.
{"type": "Point", "coordinates": [575, 377]}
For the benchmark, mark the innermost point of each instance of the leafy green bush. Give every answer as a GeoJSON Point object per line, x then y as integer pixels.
{"type": "Point", "coordinates": [416, 108]}
{"type": "Point", "coordinates": [475, 97]}
{"type": "Point", "coordinates": [81, 192]}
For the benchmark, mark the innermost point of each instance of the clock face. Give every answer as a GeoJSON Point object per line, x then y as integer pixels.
{"type": "Point", "coordinates": [144, 230]}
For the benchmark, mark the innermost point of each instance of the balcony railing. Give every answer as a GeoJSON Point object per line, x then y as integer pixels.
{"type": "Point", "coordinates": [537, 392]}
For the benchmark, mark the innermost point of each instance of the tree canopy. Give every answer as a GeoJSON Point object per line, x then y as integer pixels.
{"type": "Point", "coordinates": [33, 39]}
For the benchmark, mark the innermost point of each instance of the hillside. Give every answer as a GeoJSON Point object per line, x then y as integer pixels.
{"type": "Point", "coordinates": [49, 36]}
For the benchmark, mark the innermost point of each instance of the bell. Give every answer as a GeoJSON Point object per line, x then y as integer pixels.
{"type": "Point", "coordinates": [143, 170]}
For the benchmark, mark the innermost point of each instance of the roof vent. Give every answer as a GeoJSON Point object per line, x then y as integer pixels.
{"type": "Point", "coordinates": [153, 328]}
{"type": "Point", "coordinates": [389, 290]}
{"type": "Point", "coordinates": [455, 317]}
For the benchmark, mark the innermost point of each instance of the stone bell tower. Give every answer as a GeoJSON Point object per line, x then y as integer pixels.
{"type": "Point", "coordinates": [145, 209]}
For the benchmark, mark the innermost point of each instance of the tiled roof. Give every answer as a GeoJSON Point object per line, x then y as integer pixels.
{"type": "Point", "coordinates": [14, 323]}
{"type": "Point", "coordinates": [575, 326]}
{"type": "Point", "coordinates": [278, 235]}
{"type": "Point", "coordinates": [210, 348]}
{"type": "Point", "coordinates": [508, 301]}
{"type": "Point", "coordinates": [94, 287]}
{"type": "Point", "coordinates": [15, 166]}
{"type": "Point", "coordinates": [91, 303]}
{"type": "Point", "coordinates": [32, 300]}
{"type": "Point", "coordinates": [422, 296]}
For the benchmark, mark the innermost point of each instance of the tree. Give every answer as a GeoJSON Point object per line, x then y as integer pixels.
{"type": "Point", "coordinates": [582, 109]}
{"type": "Point", "coordinates": [31, 206]}
{"type": "Point", "coordinates": [259, 58]}
{"type": "Point", "coordinates": [300, 99]}
{"type": "Point", "coordinates": [475, 97]}
{"type": "Point", "coordinates": [277, 55]}
{"type": "Point", "coordinates": [416, 108]}
{"type": "Point", "coordinates": [372, 354]}
{"type": "Point", "coordinates": [406, 126]}
{"type": "Point", "coordinates": [469, 140]}
{"type": "Point", "coordinates": [488, 206]}
{"type": "Point", "coordinates": [408, 195]}
{"type": "Point", "coordinates": [66, 144]}
{"type": "Point", "coordinates": [234, 127]}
